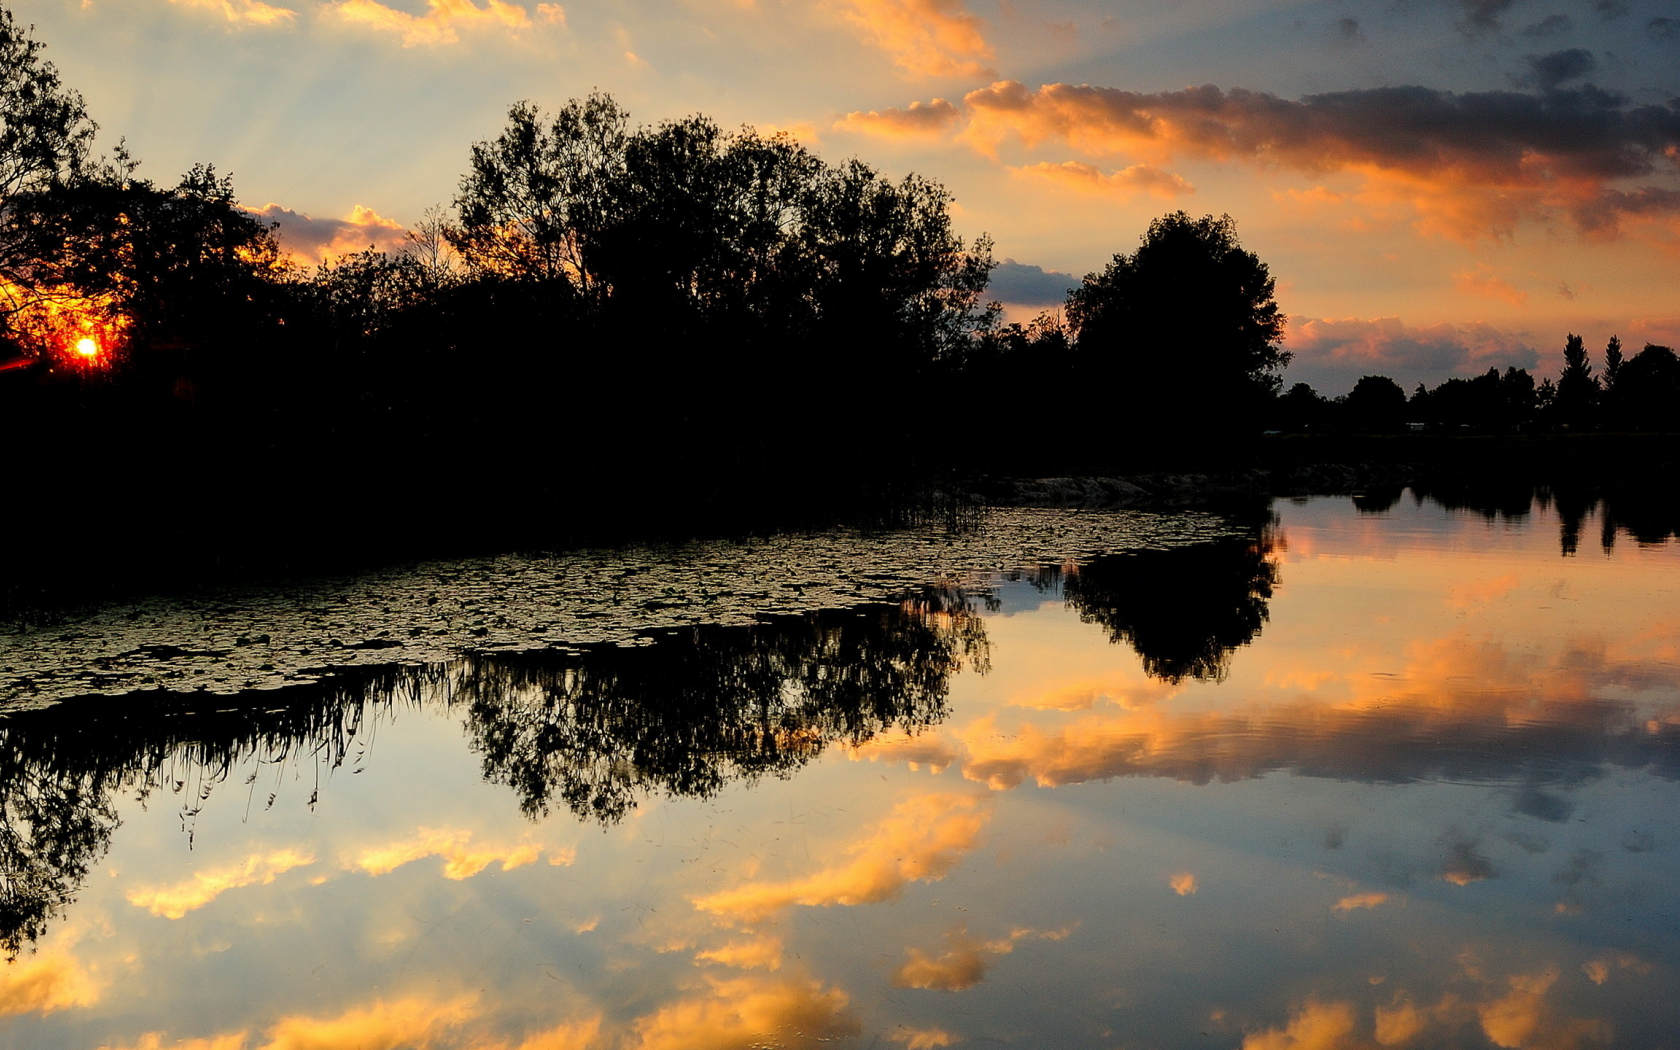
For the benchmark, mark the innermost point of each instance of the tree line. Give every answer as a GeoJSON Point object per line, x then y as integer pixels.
{"type": "Point", "coordinates": [1630, 394]}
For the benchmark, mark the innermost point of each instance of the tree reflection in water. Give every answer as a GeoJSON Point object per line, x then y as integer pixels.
{"type": "Point", "coordinates": [597, 729]}
{"type": "Point", "coordinates": [1184, 610]}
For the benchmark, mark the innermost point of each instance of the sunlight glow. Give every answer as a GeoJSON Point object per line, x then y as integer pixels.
{"type": "Point", "coordinates": [88, 347]}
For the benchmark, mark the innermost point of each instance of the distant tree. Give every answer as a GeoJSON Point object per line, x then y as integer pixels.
{"type": "Point", "coordinates": [1610, 400]}
{"type": "Point", "coordinates": [1376, 404]}
{"type": "Point", "coordinates": [1182, 334]}
{"type": "Point", "coordinates": [1303, 408]}
{"type": "Point", "coordinates": [1577, 388]}
{"type": "Point", "coordinates": [1648, 388]}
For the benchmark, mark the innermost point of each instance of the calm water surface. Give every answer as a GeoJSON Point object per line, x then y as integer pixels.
{"type": "Point", "coordinates": [1403, 779]}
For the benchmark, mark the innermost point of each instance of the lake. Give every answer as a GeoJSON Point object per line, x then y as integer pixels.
{"type": "Point", "coordinates": [1328, 773]}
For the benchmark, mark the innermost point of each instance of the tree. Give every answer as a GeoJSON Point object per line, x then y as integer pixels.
{"type": "Point", "coordinates": [45, 139]}
{"type": "Point", "coordinates": [1577, 388]}
{"type": "Point", "coordinates": [1612, 372]}
{"type": "Point", "coordinates": [1182, 334]}
{"type": "Point", "coordinates": [1376, 404]}
{"type": "Point", "coordinates": [1649, 387]}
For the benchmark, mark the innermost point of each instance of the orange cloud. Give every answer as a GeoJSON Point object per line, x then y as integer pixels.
{"type": "Point", "coordinates": [154, 1041]}
{"type": "Point", "coordinates": [1361, 900]}
{"type": "Point", "coordinates": [175, 901]}
{"type": "Point", "coordinates": [442, 22]}
{"type": "Point", "coordinates": [576, 1035]}
{"type": "Point", "coordinates": [48, 982]}
{"type": "Point", "coordinates": [897, 746]}
{"type": "Point", "coordinates": [411, 1024]}
{"type": "Point", "coordinates": [1481, 283]}
{"type": "Point", "coordinates": [461, 859]}
{"type": "Point", "coordinates": [1138, 178]}
{"type": "Point", "coordinates": [927, 38]}
{"type": "Point", "coordinates": [1399, 1022]}
{"type": "Point", "coordinates": [747, 1012]}
{"type": "Point", "coordinates": [1364, 728]}
{"type": "Point", "coordinates": [552, 13]}
{"type": "Point", "coordinates": [1183, 884]}
{"type": "Point", "coordinates": [752, 954]}
{"type": "Point", "coordinates": [245, 12]}
{"type": "Point", "coordinates": [1316, 1026]}
{"type": "Point", "coordinates": [1522, 1018]}
{"type": "Point", "coordinates": [313, 240]}
{"type": "Point", "coordinates": [920, 120]}
{"type": "Point", "coordinates": [1467, 164]}
{"type": "Point", "coordinates": [925, 838]}
{"type": "Point", "coordinates": [923, 1038]}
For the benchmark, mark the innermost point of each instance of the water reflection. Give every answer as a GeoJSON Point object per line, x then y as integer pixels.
{"type": "Point", "coordinates": [1185, 610]}
{"type": "Point", "coordinates": [1402, 779]}
{"type": "Point", "coordinates": [595, 730]}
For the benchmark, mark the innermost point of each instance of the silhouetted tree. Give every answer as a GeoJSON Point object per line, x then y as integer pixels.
{"type": "Point", "coordinates": [1181, 335]}
{"type": "Point", "coordinates": [1303, 408]}
{"type": "Point", "coordinates": [1376, 404]}
{"type": "Point", "coordinates": [45, 139]}
{"type": "Point", "coordinates": [1648, 389]}
{"type": "Point", "coordinates": [1577, 388]}
{"type": "Point", "coordinates": [1184, 610]}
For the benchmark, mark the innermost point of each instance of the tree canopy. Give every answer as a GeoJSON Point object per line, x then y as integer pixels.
{"type": "Point", "coordinates": [1190, 311]}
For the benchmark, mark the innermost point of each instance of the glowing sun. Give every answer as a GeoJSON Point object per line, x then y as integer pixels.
{"type": "Point", "coordinates": [87, 347]}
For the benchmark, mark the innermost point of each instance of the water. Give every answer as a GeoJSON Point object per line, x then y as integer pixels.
{"type": "Point", "coordinates": [1328, 778]}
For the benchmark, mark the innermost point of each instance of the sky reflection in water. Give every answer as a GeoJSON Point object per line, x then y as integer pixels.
{"type": "Point", "coordinates": [1361, 780]}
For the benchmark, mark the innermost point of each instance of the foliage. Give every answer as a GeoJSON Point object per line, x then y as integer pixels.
{"type": "Point", "coordinates": [1189, 311]}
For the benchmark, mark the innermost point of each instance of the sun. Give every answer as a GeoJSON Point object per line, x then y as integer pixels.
{"type": "Point", "coordinates": [87, 347]}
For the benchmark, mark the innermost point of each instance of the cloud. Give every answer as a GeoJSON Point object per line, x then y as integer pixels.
{"type": "Point", "coordinates": [755, 953]}
{"type": "Point", "coordinates": [461, 859]}
{"type": "Point", "coordinates": [1360, 900]}
{"type": "Point", "coordinates": [154, 1041]}
{"type": "Point", "coordinates": [1551, 25]}
{"type": "Point", "coordinates": [50, 981]}
{"type": "Point", "coordinates": [243, 12]}
{"type": "Point", "coordinates": [315, 240]}
{"type": "Point", "coordinates": [1144, 178]}
{"type": "Point", "coordinates": [1332, 353]}
{"type": "Point", "coordinates": [1482, 16]}
{"type": "Point", "coordinates": [1560, 67]}
{"type": "Point", "coordinates": [440, 24]}
{"type": "Point", "coordinates": [574, 1035]}
{"type": "Point", "coordinates": [552, 13]}
{"type": "Point", "coordinates": [1469, 164]}
{"type": "Point", "coordinates": [1026, 285]}
{"type": "Point", "coordinates": [1347, 30]}
{"type": "Point", "coordinates": [919, 120]}
{"type": "Point", "coordinates": [1360, 727]}
{"type": "Point", "coordinates": [1316, 1026]}
{"type": "Point", "coordinates": [926, 38]}
{"type": "Point", "coordinates": [410, 1024]}
{"type": "Point", "coordinates": [748, 1012]}
{"type": "Point", "coordinates": [961, 965]}
{"type": "Point", "coordinates": [923, 1038]}
{"type": "Point", "coordinates": [1462, 864]}
{"type": "Point", "coordinates": [1184, 884]}
{"type": "Point", "coordinates": [1661, 28]}
{"type": "Point", "coordinates": [926, 836]}
{"type": "Point", "coordinates": [175, 901]}
{"type": "Point", "coordinates": [1483, 284]}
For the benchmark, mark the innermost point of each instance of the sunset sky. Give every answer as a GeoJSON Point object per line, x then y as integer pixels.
{"type": "Point", "coordinates": [1438, 185]}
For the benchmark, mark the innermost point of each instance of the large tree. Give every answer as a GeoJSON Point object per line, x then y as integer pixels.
{"type": "Point", "coordinates": [1182, 334]}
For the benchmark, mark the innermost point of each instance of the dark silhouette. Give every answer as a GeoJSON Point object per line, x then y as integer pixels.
{"type": "Point", "coordinates": [1184, 610]}
{"type": "Point", "coordinates": [1375, 405]}
{"type": "Point", "coordinates": [1577, 387]}
{"type": "Point", "coordinates": [1189, 312]}
{"type": "Point", "coordinates": [594, 730]}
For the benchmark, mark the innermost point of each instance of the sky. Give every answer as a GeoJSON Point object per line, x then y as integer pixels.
{"type": "Point", "coordinates": [1439, 186]}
